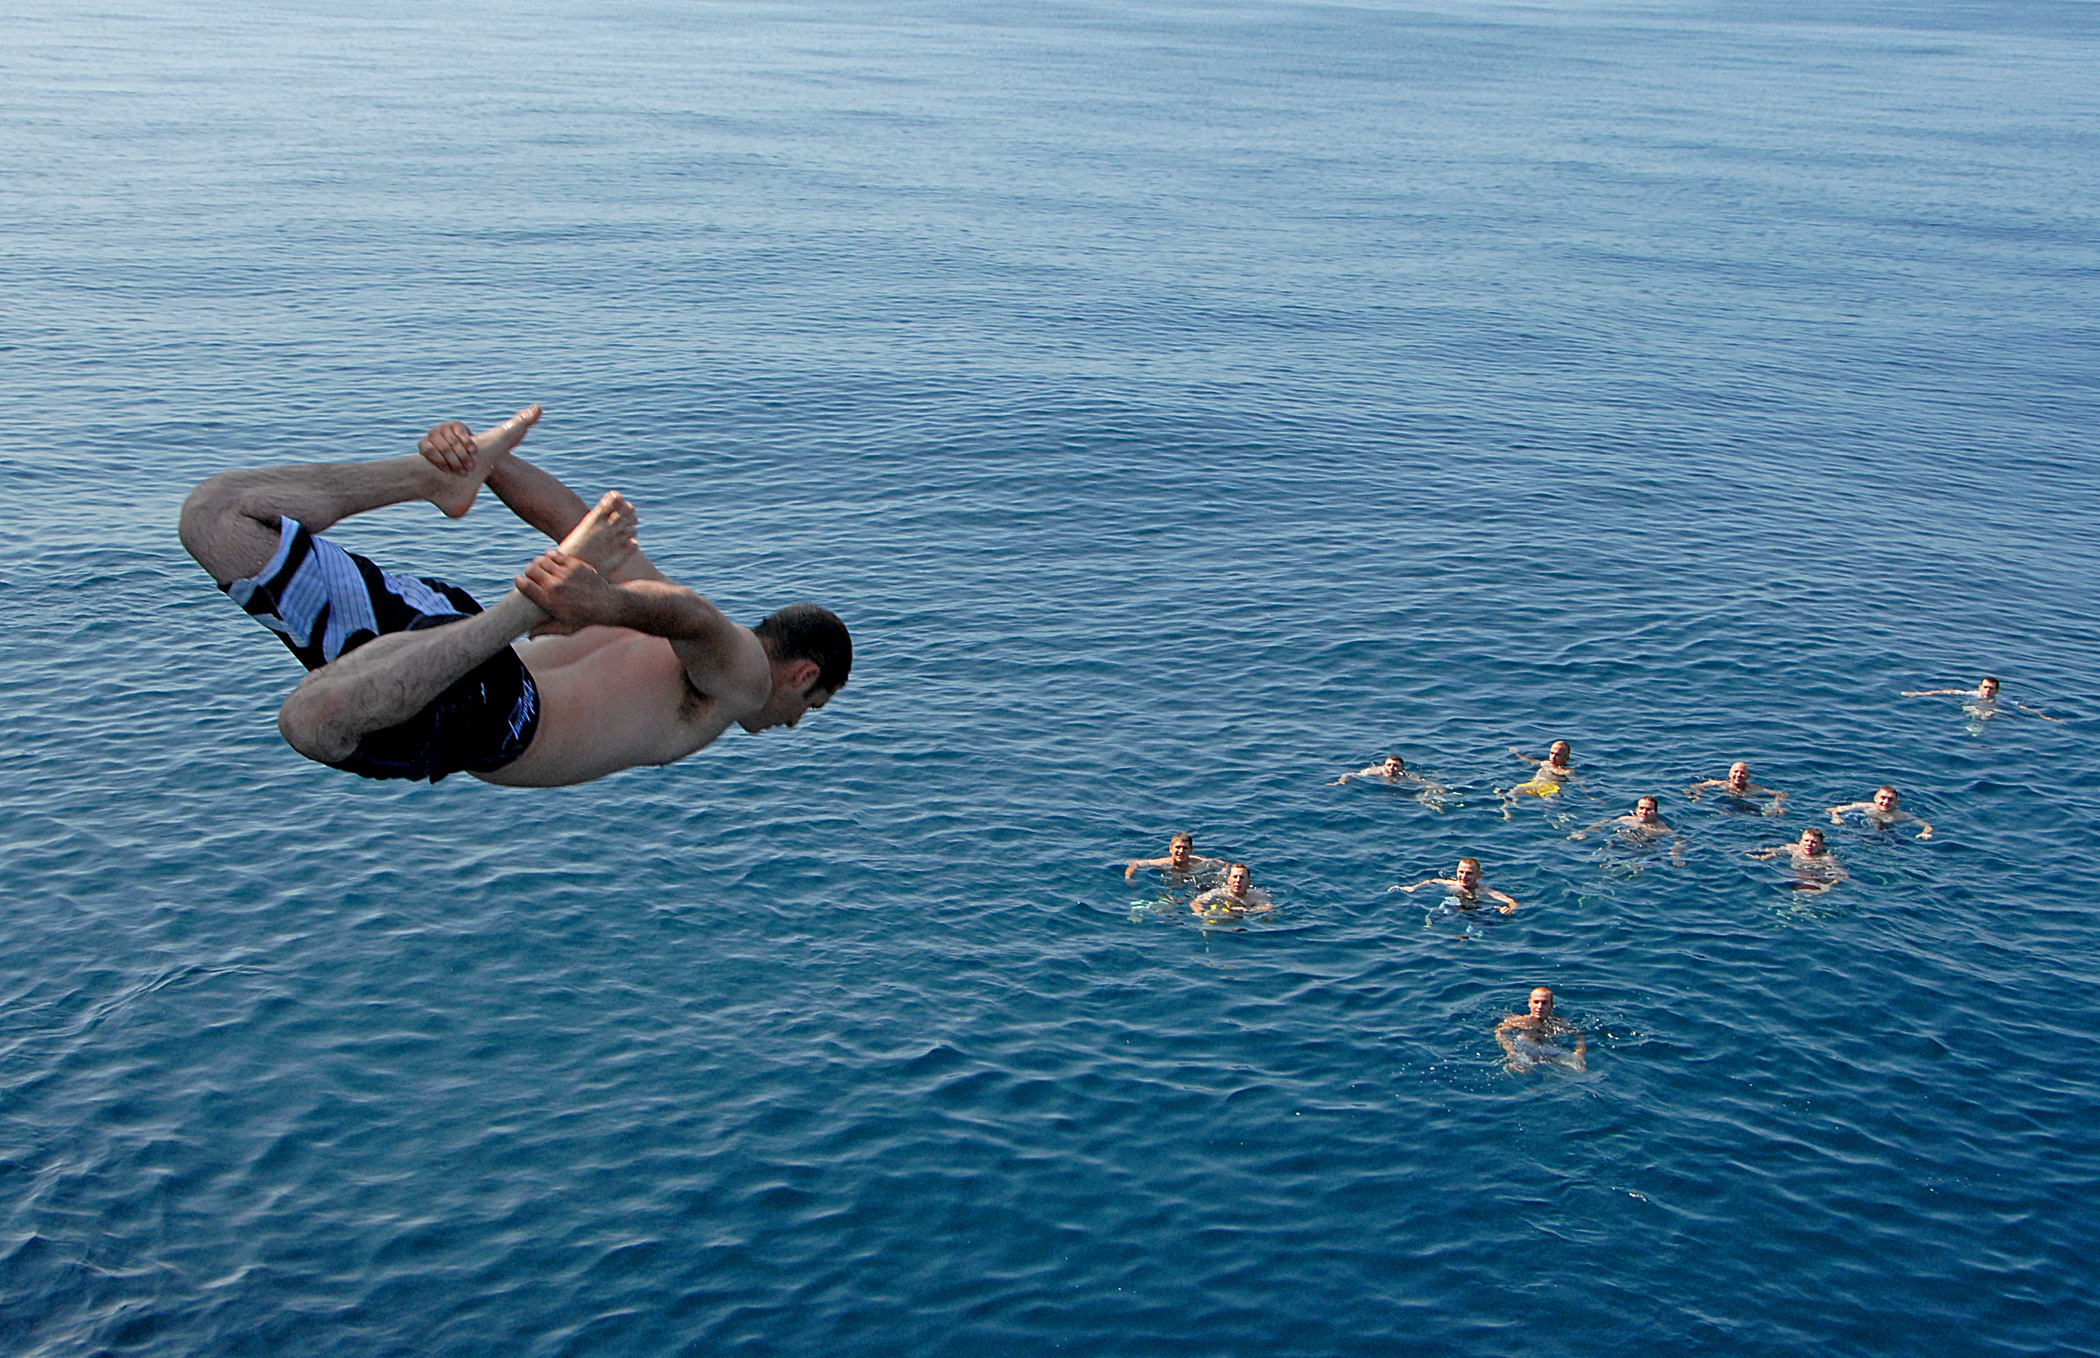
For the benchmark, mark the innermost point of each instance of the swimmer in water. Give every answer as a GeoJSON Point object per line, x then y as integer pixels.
{"type": "Point", "coordinates": [1552, 774]}
{"type": "Point", "coordinates": [1641, 827]}
{"type": "Point", "coordinates": [1395, 773]}
{"type": "Point", "coordinates": [1465, 886]}
{"type": "Point", "coordinates": [1737, 787]}
{"type": "Point", "coordinates": [1237, 897]}
{"type": "Point", "coordinates": [1815, 867]}
{"type": "Point", "coordinates": [1535, 1039]}
{"type": "Point", "coordinates": [1181, 862]}
{"type": "Point", "coordinates": [1882, 812]}
{"type": "Point", "coordinates": [1980, 702]}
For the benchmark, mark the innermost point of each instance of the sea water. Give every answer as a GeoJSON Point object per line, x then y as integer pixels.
{"type": "Point", "coordinates": [1184, 404]}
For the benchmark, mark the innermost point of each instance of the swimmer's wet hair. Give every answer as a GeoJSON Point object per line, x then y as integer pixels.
{"type": "Point", "coordinates": [807, 632]}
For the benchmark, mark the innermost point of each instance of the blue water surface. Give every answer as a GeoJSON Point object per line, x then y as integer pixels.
{"type": "Point", "coordinates": [1185, 403]}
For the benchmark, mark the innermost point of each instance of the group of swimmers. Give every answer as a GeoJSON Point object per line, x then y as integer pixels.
{"type": "Point", "coordinates": [1535, 1038]}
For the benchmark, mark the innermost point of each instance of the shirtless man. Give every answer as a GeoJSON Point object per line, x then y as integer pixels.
{"type": "Point", "coordinates": [1882, 812]}
{"type": "Point", "coordinates": [1181, 863]}
{"type": "Point", "coordinates": [1551, 774]}
{"type": "Point", "coordinates": [1737, 787]}
{"type": "Point", "coordinates": [1534, 1039]}
{"type": "Point", "coordinates": [410, 678]}
{"type": "Point", "coordinates": [1394, 772]}
{"type": "Point", "coordinates": [1465, 886]}
{"type": "Point", "coordinates": [1641, 827]}
{"type": "Point", "coordinates": [1237, 897]}
{"type": "Point", "coordinates": [1815, 867]}
{"type": "Point", "coordinates": [1980, 702]}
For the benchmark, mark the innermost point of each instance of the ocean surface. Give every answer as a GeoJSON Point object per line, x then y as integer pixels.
{"type": "Point", "coordinates": [1185, 404]}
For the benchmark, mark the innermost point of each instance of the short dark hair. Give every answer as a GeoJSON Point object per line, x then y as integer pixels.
{"type": "Point", "coordinates": [807, 632]}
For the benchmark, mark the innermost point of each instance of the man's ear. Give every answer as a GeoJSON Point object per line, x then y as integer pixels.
{"type": "Point", "coordinates": [801, 674]}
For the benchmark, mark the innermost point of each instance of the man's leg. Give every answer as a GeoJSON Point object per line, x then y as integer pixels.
{"type": "Point", "coordinates": [391, 678]}
{"type": "Point", "coordinates": [229, 523]}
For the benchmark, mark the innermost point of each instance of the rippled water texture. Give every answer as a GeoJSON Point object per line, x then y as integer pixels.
{"type": "Point", "coordinates": [1185, 404]}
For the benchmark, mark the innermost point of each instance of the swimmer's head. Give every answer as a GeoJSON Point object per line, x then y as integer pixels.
{"type": "Point", "coordinates": [1236, 879]}
{"type": "Point", "coordinates": [1179, 848]}
{"type": "Point", "coordinates": [1647, 811]}
{"type": "Point", "coordinates": [1557, 753]}
{"type": "Point", "coordinates": [1885, 798]}
{"type": "Point", "coordinates": [1393, 764]}
{"type": "Point", "coordinates": [1988, 688]}
{"type": "Point", "coordinates": [1812, 840]}
{"type": "Point", "coordinates": [1738, 774]}
{"type": "Point", "coordinates": [1541, 1001]}
{"type": "Point", "coordinates": [1467, 873]}
{"type": "Point", "coordinates": [811, 654]}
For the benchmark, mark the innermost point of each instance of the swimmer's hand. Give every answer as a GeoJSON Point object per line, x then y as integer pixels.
{"type": "Point", "coordinates": [574, 595]}
{"type": "Point", "coordinates": [449, 447]}
{"type": "Point", "coordinates": [1507, 909]}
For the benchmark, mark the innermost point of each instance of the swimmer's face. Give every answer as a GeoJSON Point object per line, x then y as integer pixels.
{"type": "Point", "coordinates": [1812, 841]}
{"type": "Point", "coordinates": [1393, 765]}
{"type": "Point", "coordinates": [1738, 774]}
{"type": "Point", "coordinates": [795, 695]}
{"type": "Point", "coordinates": [1988, 688]}
{"type": "Point", "coordinates": [1559, 753]}
{"type": "Point", "coordinates": [1236, 880]}
{"type": "Point", "coordinates": [1541, 1003]}
{"type": "Point", "coordinates": [1179, 850]}
{"type": "Point", "coordinates": [1646, 811]}
{"type": "Point", "coordinates": [1885, 799]}
{"type": "Point", "coordinates": [1466, 874]}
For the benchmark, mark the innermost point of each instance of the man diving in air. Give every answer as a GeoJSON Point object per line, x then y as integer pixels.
{"type": "Point", "coordinates": [411, 678]}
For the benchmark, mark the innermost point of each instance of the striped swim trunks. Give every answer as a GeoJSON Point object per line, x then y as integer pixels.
{"type": "Point", "coordinates": [324, 602]}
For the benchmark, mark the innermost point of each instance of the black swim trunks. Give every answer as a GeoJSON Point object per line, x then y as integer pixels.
{"type": "Point", "coordinates": [324, 602]}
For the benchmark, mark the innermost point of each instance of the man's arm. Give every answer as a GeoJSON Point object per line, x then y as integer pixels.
{"type": "Point", "coordinates": [543, 501]}
{"type": "Point", "coordinates": [1939, 693]}
{"type": "Point", "coordinates": [722, 660]}
{"type": "Point", "coordinates": [1137, 863]}
{"type": "Point", "coordinates": [1509, 902]}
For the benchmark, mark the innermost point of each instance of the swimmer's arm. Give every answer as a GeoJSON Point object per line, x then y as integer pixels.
{"type": "Point", "coordinates": [1509, 902]}
{"type": "Point", "coordinates": [1588, 830]}
{"type": "Point", "coordinates": [1695, 789]}
{"type": "Point", "coordinates": [1441, 881]}
{"type": "Point", "coordinates": [1837, 813]}
{"type": "Point", "coordinates": [544, 502]}
{"type": "Point", "coordinates": [1579, 1061]}
{"type": "Point", "coordinates": [1939, 693]}
{"type": "Point", "coordinates": [1926, 832]}
{"type": "Point", "coordinates": [1137, 863]}
{"type": "Point", "coordinates": [722, 660]}
{"type": "Point", "coordinates": [1778, 806]}
{"type": "Point", "coordinates": [2037, 711]}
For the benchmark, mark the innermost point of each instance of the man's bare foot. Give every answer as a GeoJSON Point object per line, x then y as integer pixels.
{"type": "Point", "coordinates": [605, 537]}
{"type": "Point", "coordinates": [466, 459]}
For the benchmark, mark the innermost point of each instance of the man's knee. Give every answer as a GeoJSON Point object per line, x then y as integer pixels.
{"type": "Point", "coordinates": [217, 530]}
{"type": "Point", "coordinates": [311, 723]}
